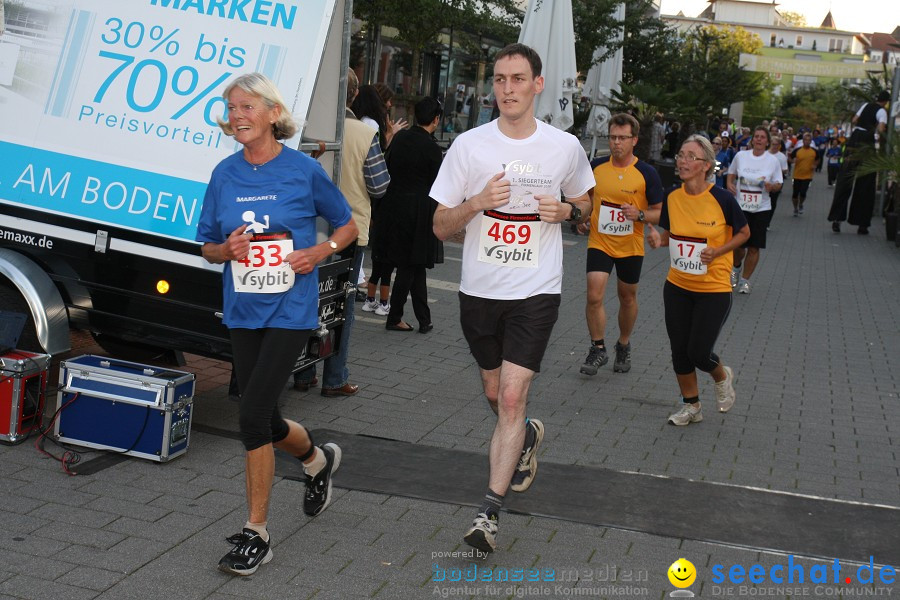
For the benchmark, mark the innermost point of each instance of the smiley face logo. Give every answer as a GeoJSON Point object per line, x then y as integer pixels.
{"type": "Point", "coordinates": [682, 573]}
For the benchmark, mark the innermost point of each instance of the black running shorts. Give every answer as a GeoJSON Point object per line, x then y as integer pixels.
{"type": "Point", "coordinates": [516, 331]}
{"type": "Point", "coordinates": [758, 222]}
{"type": "Point", "coordinates": [628, 268]}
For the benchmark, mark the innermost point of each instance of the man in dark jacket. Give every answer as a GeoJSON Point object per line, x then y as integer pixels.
{"type": "Point", "coordinates": [870, 119]}
{"type": "Point", "coordinates": [403, 234]}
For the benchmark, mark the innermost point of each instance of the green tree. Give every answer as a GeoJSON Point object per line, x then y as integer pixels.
{"type": "Point", "coordinates": [794, 19]}
{"type": "Point", "coordinates": [817, 105]}
{"type": "Point", "coordinates": [647, 45]}
{"type": "Point", "coordinates": [652, 55]}
{"type": "Point", "coordinates": [709, 66]}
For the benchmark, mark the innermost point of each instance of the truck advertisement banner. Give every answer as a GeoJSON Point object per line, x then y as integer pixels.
{"type": "Point", "coordinates": [110, 108]}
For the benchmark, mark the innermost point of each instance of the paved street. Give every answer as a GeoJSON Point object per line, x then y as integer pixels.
{"type": "Point", "coordinates": [816, 352]}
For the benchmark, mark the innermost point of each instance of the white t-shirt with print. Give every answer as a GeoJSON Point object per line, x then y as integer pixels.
{"type": "Point", "coordinates": [550, 162]}
{"type": "Point", "coordinates": [752, 173]}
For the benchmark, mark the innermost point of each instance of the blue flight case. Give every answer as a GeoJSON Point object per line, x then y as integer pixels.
{"type": "Point", "coordinates": [131, 408]}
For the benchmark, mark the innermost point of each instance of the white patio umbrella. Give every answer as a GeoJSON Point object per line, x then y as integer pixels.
{"type": "Point", "coordinates": [548, 29]}
{"type": "Point", "coordinates": [602, 79]}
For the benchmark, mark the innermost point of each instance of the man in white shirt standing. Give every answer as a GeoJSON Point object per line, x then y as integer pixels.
{"type": "Point", "coordinates": [510, 183]}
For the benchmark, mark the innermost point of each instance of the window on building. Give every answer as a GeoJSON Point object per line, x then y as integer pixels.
{"type": "Point", "coordinates": [799, 42]}
{"type": "Point", "coordinates": [835, 45]}
{"type": "Point", "coordinates": [803, 82]}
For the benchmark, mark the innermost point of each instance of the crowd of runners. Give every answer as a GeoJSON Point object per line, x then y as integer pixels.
{"type": "Point", "coordinates": [509, 184]}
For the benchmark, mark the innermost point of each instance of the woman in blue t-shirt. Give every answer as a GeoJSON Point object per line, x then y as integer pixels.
{"type": "Point", "coordinates": [724, 155]}
{"type": "Point", "coordinates": [259, 220]}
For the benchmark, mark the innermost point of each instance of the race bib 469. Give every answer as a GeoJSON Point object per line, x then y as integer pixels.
{"type": "Point", "coordinates": [509, 240]}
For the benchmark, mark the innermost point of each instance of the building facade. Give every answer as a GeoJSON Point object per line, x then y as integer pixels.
{"type": "Point", "coordinates": [796, 57]}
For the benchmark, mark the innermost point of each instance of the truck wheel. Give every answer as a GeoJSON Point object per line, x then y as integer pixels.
{"type": "Point", "coordinates": [11, 300]}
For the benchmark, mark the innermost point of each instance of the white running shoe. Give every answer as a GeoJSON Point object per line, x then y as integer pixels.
{"type": "Point", "coordinates": [482, 534]}
{"type": "Point", "coordinates": [725, 391]}
{"type": "Point", "coordinates": [744, 287]}
{"type": "Point", "coordinates": [370, 305]}
{"type": "Point", "coordinates": [735, 276]}
{"type": "Point", "coordinates": [383, 309]}
{"type": "Point", "coordinates": [686, 415]}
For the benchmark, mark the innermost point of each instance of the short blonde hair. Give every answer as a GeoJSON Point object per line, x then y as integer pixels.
{"type": "Point", "coordinates": [261, 86]}
{"type": "Point", "coordinates": [709, 155]}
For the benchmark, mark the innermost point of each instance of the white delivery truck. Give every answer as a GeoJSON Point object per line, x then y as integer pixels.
{"type": "Point", "coordinates": [108, 136]}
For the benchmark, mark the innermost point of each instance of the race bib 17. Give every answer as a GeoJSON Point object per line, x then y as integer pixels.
{"type": "Point", "coordinates": [684, 253]}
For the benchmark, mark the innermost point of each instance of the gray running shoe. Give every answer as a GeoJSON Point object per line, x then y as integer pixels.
{"type": "Point", "coordinates": [735, 276]}
{"type": "Point", "coordinates": [528, 464]}
{"type": "Point", "coordinates": [686, 415]}
{"type": "Point", "coordinates": [744, 287]}
{"type": "Point", "coordinates": [596, 358]}
{"type": "Point", "coordinates": [483, 533]}
{"type": "Point", "coordinates": [725, 395]}
{"type": "Point", "coordinates": [623, 358]}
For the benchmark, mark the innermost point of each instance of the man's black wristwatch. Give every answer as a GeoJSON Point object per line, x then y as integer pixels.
{"type": "Point", "coordinates": [576, 212]}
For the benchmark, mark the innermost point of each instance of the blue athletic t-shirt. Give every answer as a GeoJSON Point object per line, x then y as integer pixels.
{"type": "Point", "coordinates": [284, 195]}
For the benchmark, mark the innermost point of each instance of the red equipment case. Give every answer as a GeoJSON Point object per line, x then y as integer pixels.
{"type": "Point", "coordinates": [23, 383]}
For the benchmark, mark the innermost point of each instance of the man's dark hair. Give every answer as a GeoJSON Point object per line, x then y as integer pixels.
{"type": "Point", "coordinates": [426, 110]}
{"type": "Point", "coordinates": [526, 52]}
{"type": "Point", "coordinates": [883, 96]}
{"type": "Point", "coordinates": [623, 119]}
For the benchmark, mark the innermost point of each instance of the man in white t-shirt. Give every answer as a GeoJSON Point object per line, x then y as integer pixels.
{"type": "Point", "coordinates": [751, 177]}
{"type": "Point", "coordinates": [510, 183]}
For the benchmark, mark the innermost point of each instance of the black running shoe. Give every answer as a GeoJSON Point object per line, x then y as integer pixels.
{"type": "Point", "coordinates": [596, 358]}
{"type": "Point", "coordinates": [318, 488]}
{"type": "Point", "coordinates": [526, 470]}
{"type": "Point", "coordinates": [249, 552]}
{"type": "Point", "coordinates": [623, 358]}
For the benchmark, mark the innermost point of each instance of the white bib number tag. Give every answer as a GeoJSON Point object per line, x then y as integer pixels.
{"type": "Point", "coordinates": [685, 254]}
{"type": "Point", "coordinates": [750, 201]}
{"type": "Point", "coordinates": [509, 240]}
{"type": "Point", "coordinates": [265, 270]}
{"type": "Point", "coordinates": [612, 221]}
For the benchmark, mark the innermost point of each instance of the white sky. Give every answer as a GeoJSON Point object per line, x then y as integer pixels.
{"type": "Point", "coordinates": [864, 16]}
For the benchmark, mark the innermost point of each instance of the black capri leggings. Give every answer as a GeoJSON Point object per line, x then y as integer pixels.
{"type": "Point", "coordinates": [693, 321]}
{"type": "Point", "coordinates": [381, 273]}
{"type": "Point", "coordinates": [263, 361]}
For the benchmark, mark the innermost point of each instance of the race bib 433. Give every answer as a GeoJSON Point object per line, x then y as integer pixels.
{"type": "Point", "coordinates": [265, 270]}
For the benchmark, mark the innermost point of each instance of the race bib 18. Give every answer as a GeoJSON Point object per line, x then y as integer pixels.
{"type": "Point", "coordinates": [612, 221]}
{"type": "Point", "coordinates": [685, 254]}
{"type": "Point", "coordinates": [265, 270]}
